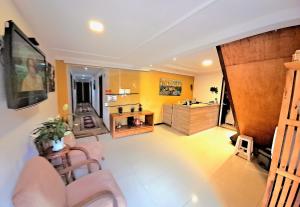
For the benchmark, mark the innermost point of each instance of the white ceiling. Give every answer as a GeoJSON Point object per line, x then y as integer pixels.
{"type": "Point", "coordinates": [80, 74]}
{"type": "Point", "coordinates": [143, 32]}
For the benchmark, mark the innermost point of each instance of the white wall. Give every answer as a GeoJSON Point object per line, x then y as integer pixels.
{"type": "Point", "coordinates": [105, 109]}
{"type": "Point", "coordinates": [15, 145]}
{"type": "Point", "coordinates": [96, 93]}
{"type": "Point", "coordinates": [202, 84]}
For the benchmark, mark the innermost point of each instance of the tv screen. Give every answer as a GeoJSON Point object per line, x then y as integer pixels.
{"type": "Point", "coordinates": [25, 69]}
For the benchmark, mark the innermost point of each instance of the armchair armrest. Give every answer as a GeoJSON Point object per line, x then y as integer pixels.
{"type": "Point", "coordinates": [86, 153]}
{"type": "Point", "coordinates": [68, 170]}
{"type": "Point", "coordinates": [96, 196]}
{"type": "Point", "coordinates": [84, 162]}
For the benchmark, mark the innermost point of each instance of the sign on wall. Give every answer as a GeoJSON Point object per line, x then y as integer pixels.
{"type": "Point", "coordinates": [169, 87]}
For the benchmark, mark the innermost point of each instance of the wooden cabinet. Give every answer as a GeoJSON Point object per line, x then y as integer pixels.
{"type": "Point", "coordinates": [167, 114]}
{"type": "Point", "coordinates": [129, 129]}
{"type": "Point", "coordinates": [190, 120]}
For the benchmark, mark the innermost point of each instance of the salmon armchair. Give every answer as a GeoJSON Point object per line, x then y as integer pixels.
{"type": "Point", "coordinates": [84, 150]}
{"type": "Point", "coordinates": [40, 185]}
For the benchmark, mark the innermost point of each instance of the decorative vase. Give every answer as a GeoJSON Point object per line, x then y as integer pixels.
{"type": "Point", "coordinates": [57, 145]}
{"type": "Point", "coordinates": [140, 107]}
{"type": "Point", "coordinates": [138, 122]}
{"type": "Point", "coordinates": [120, 110]}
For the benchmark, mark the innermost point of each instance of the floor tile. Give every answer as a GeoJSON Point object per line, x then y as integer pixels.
{"type": "Point", "coordinates": [165, 168]}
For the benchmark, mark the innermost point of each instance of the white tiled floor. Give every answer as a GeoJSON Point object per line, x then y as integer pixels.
{"type": "Point", "coordinates": [168, 169]}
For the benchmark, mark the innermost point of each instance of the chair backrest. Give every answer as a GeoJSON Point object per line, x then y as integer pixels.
{"type": "Point", "coordinates": [69, 139]}
{"type": "Point", "coordinates": [39, 185]}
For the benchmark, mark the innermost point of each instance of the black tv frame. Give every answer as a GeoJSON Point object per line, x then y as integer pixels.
{"type": "Point", "coordinates": [15, 98]}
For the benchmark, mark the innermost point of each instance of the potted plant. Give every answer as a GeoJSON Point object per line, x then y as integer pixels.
{"type": "Point", "coordinates": [52, 131]}
{"type": "Point", "coordinates": [214, 90]}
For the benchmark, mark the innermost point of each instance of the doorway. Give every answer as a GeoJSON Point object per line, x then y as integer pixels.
{"type": "Point", "coordinates": [226, 118]}
{"type": "Point", "coordinates": [83, 92]}
{"type": "Point", "coordinates": [101, 96]}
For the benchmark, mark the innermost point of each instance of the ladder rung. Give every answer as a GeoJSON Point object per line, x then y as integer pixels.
{"type": "Point", "coordinates": [288, 175]}
{"type": "Point", "coordinates": [291, 122]}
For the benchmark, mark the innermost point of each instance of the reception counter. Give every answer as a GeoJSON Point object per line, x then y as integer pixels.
{"type": "Point", "coordinates": [194, 118]}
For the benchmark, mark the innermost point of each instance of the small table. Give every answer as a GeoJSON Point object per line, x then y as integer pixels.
{"type": "Point", "coordinates": [59, 159]}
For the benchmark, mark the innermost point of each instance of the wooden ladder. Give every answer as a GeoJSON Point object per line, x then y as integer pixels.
{"type": "Point", "coordinates": [284, 176]}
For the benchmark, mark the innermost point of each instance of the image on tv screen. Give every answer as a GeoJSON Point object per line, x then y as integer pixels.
{"type": "Point", "coordinates": [29, 66]}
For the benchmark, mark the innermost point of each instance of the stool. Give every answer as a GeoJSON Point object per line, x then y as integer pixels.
{"type": "Point", "coordinates": [246, 151]}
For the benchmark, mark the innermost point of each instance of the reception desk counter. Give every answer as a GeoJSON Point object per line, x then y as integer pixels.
{"type": "Point", "coordinates": [194, 118]}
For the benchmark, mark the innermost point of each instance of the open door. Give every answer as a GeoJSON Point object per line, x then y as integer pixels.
{"type": "Point", "coordinates": [226, 118]}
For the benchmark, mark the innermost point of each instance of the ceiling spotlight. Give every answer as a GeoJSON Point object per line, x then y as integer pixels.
{"type": "Point", "coordinates": [174, 58]}
{"type": "Point", "coordinates": [96, 26]}
{"type": "Point", "coordinates": [207, 62]}
{"type": "Point", "coordinates": [86, 68]}
{"type": "Point", "coordinates": [150, 65]}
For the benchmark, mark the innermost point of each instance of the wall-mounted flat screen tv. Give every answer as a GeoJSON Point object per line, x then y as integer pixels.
{"type": "Point", "coordinates": [25, 69]}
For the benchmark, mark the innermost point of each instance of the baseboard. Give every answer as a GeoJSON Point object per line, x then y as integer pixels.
{"type": "Point", "coordinates": [159, 123]}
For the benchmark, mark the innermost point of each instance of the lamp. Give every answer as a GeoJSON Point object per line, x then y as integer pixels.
{"type": "Point", "coordinates": [65, 109]}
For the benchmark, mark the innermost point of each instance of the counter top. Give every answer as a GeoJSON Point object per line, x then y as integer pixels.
{"type": "Point", "coordinates": [196, 105]}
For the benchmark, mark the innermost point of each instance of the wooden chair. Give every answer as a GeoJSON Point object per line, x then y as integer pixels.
{"type": "Point", "coordinates": [40, 185]}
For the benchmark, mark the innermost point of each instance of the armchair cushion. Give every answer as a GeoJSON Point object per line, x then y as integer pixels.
{"type": "Point", "coordinates": [95, 151]}
{"type": "Point", "coordinates": [91, 184]}
{"type": "Point", "coordinates": [39, 185]}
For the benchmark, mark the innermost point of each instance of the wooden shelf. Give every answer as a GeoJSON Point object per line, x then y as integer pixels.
{"type": "Point", "coordinates": [120, 94]}
{"type": "Point", "coordinates": [123, 105]}
{"type": "Point", "coordinates": [295, 65]}
{"type": "Point", "coordinates": [129, 114]}
{"type": "Point", "coordinates": [131, 130]}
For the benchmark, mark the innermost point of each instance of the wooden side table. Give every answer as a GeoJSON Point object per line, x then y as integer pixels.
{"type": "Point", "coordinates": [60, 160]}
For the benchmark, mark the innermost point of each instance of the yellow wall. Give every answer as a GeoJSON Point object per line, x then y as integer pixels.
{"type": "Point", "coordinates": [61, 86]}
{"type": "Point", "coordinates": [146, 83]}
{"type": "Point", "coordinates": [149, 91]}
{"type": "Point", "coordinates": [125, 79]}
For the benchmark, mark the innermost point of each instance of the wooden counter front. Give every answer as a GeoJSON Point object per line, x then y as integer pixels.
{"type": "Point", "coordinates": [190, 119]}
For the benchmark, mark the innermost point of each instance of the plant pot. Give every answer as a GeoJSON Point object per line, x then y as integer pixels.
{"type": "Point", "coordinates": [58, 145]}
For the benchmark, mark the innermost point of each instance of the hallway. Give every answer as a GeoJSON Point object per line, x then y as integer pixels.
{"type": "Point", "coordinates": [87, 121]}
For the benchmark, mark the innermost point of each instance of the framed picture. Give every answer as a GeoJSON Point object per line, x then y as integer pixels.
{"type": "Point", "coordinates": [169, 87]}
{"type": "Point", "coordinates": [50, 78]}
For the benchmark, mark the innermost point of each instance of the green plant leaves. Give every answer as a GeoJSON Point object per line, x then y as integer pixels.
{"type": "Point", "coordinates": [51, 130]}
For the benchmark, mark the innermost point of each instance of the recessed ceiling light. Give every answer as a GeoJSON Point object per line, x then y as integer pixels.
{"type": "Point", "coordinates": [194, 198]}
{"type": "Point", "coordinates": [150, 65]}
{"type": "Point", "coordinates": [174, 58]}
{"type": "Point", "coordinates": [207, 62]}
{"type": "Point", "coordinates": [96, 26]}
{"type": "Point", "coordinates": [86, 68]}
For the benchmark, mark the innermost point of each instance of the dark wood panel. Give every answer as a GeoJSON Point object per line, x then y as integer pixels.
{"type": "Point", "coordinates": [271, 45]}
{"type": "Point", "coordinates": [255, 71]}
